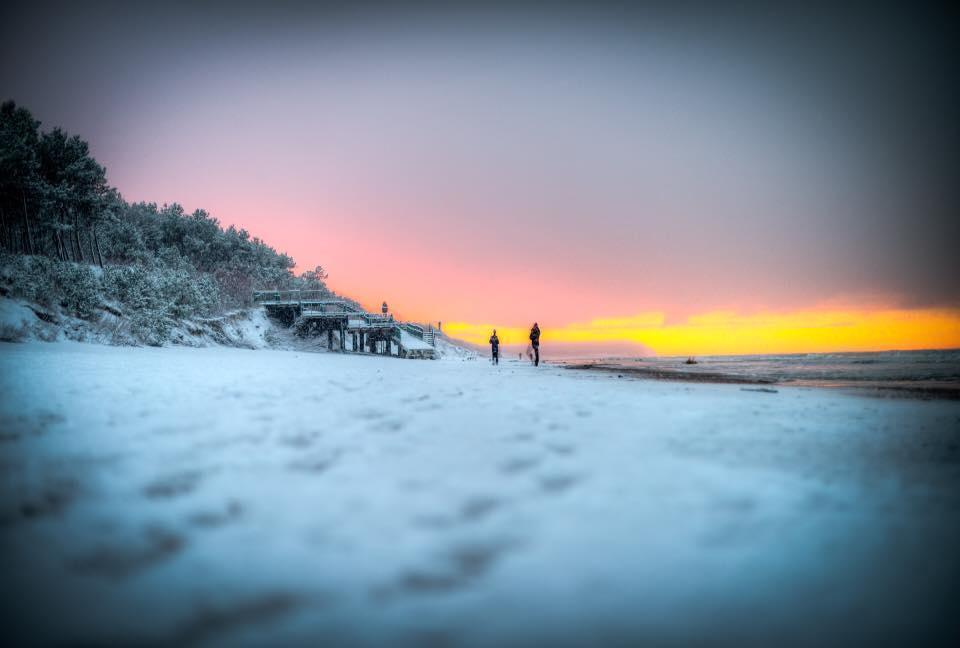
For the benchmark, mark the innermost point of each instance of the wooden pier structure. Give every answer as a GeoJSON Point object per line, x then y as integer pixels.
{"type": "Point", "coordinates": [312, 312]}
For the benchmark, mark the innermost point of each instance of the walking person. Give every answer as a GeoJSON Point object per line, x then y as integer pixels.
{"type": "Point", "coordinates": [495, 348]}
{"type": "Point", "coordinates": [535, 343]}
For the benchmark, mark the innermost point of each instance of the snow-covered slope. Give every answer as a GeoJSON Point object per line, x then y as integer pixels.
{"type": "Point", "coordinates": [447, 347]}
{"type": "Point", "coordinates": [410, 341]}
{"type": "Point", "coordinates": [22, 321]}
{"type": "Point", "coordinates": [16, 320]}
{"type": "Point", "coordinates": [250, 328]}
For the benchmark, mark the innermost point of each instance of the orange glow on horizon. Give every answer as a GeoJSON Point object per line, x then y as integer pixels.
{"type": "Point", "coordinates": [728, 333]}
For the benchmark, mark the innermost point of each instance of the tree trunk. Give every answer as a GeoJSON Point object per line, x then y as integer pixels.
{"type": "Point", "coordinates": [6, 235]}
{"type": "Point", "coordinates": [61, 248]}
{"type": "Point", "coordinates": [76, 237]}
{"type": "Point", "coordinates": [26, 222]}
{"type": "Point", "coordinates": [61, 228]}
{"type": "Point", "coordinates": [96, 242]}
{"type": "Point", "coordinates": [93, 253]}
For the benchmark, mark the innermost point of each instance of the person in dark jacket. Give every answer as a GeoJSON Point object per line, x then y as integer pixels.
{"type": "Point", "coordinates": [495, 347]}
{"type": "Point", "coordinates": [535, 342]}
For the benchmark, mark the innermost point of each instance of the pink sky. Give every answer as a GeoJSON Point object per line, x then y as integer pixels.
{"type": "Point", "coordinates": [509, 170]}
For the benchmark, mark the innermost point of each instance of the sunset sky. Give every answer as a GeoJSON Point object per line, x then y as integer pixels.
{"type": "Point", "coordinates": [669, 181]}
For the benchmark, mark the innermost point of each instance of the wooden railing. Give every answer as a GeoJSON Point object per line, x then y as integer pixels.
{"type": "Point", "coordinates": [413, 329]}
{"type": "Point", "coordinates": [427, 334]}
{"type": "Point", "coordinates": [299, 297]}
{"type": "Point", "coordinates": [317, 304]}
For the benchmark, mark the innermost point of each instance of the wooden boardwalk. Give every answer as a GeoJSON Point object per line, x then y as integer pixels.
{"type": "Point", "coordinates": [312, 312]}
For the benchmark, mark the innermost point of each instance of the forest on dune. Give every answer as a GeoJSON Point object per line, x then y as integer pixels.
{"type": "Point", "coordinates": [70, 242]}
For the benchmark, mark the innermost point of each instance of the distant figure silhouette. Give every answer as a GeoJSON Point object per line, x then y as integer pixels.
{"type": "Point", "coordinates": [535, 342]}
{"type": "Point", "coordinates": [495, 348]}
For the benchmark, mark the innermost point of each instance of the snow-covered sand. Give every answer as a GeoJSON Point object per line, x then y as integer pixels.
{"type": "Point", "coordinates": [221, 495]}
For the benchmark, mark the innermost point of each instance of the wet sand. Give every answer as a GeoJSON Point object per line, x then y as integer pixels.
{"type": "Point", "coordinates": [923, 389]}
{"type": "Point", "coordinates": [655, 373]}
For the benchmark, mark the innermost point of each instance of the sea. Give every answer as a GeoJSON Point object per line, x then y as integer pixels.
{"type": "Point", "coordinates": [934, 374]}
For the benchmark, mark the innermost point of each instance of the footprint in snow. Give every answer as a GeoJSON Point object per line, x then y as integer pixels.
{"type": "Point", "coordinates": [561, 448]}
{"type": "Point", "coordinates": [477, 508]}
{"type": "Point", "coordinates": [54, 498]}
{"type": "Point", "coordinates": [216, 518]}
{"type": "Point", "coordinates": [16, 426]}
{"type": "Point", "coordinates": [458, 569]}
{"type": "Point", "coordinates": [389, 425]}
{"type": "Point", "coordinates": [300, 440]}
{"type": "Point", "coordinates": [175, 485]}
{"type": "Point", "coordinates": [317, 464]}
{"type": "Point", "coordinates": [518, 465]}
{"type": "Point", "coordinates": [471, 510]}
{"type": "Point", "coordinates": [116, 562]}
{"type": "Point", "coordinates": [210, 622]}
{"type": "Point", "coordinates": [369, 414]}
{"type": "Point", "coordinates": [555, 484]}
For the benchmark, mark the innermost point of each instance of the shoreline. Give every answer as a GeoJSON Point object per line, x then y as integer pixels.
{"type": "Point", "coordinates": [923, 390]}
{"type": "Point", "coordinates": [670, 375]}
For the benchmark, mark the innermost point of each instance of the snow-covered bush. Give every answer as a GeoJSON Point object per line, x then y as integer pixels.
{"type": "Point", "coordinates": [206, 294]}
{"type": "Point", "coordinates": [45, 281]}
{"type": "Point", "coordinates": [138, 289]}
{"type": "Point", "coordinates": [153, 295]}
{"type": "Point", "coordinates": [131, 285]}
{"type": "Point", "coordinates": [78, 288]}
{"type": "Point", "coordinates": [151, 327]}
{"type": "Point", "coordinates": [28, 277]}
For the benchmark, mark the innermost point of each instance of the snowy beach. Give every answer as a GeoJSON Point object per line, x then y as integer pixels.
{"type": "Point", "coordinates": [220, 495]}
